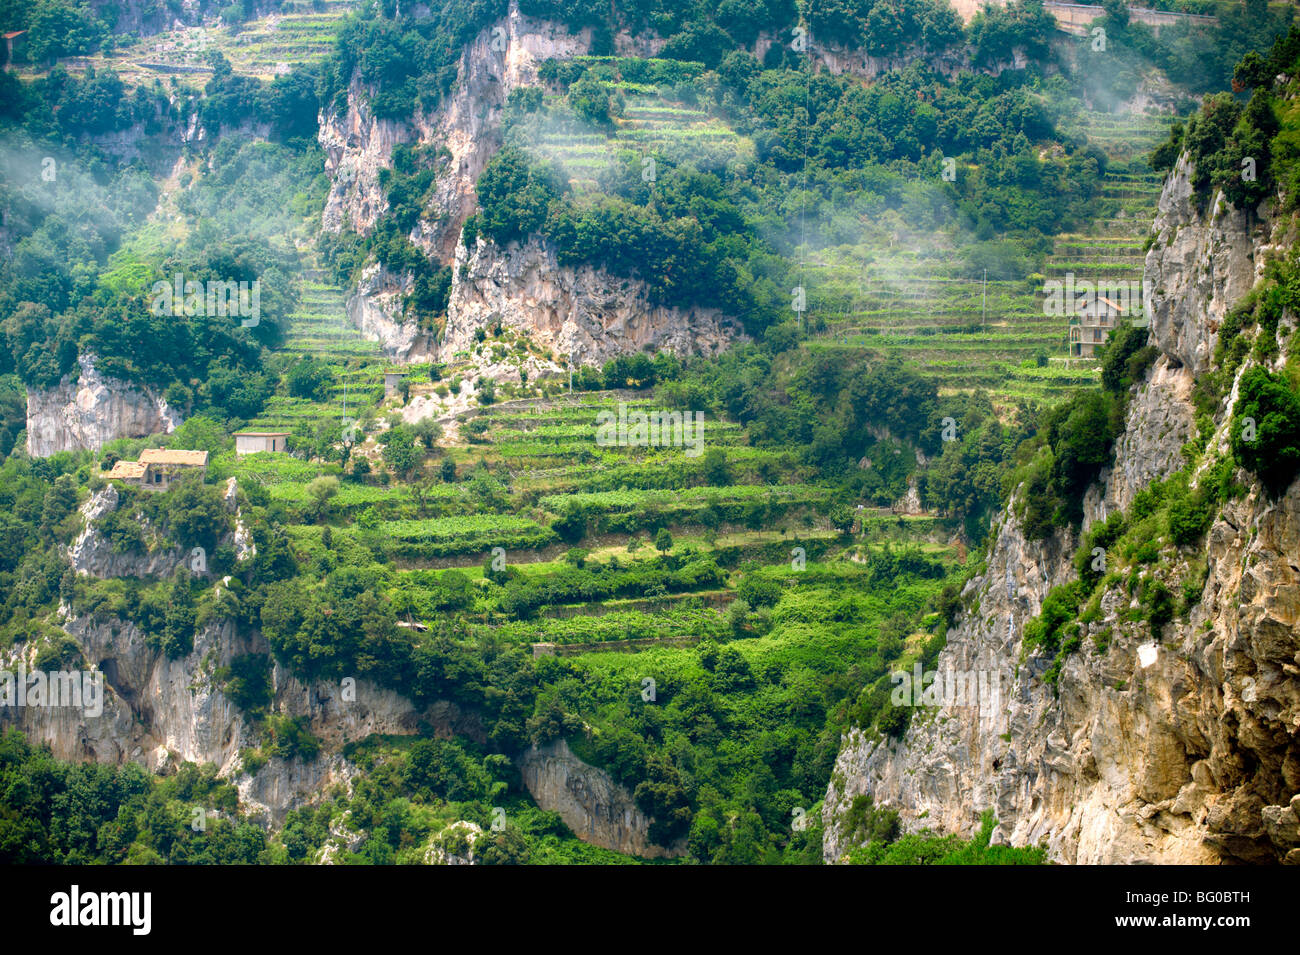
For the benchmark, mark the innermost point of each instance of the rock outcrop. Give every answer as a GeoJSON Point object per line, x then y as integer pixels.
{"type": "Point", "coordinates": [1161, 419]}
{"type": "Point", "coordinates": [88, 412]}
{"type": "Point", "coordinates": [160, 711]}
{"type": "Point", "coordinates": [1157, 748]}
{"type": "Point", "coordinates": [596, 808]}
{"type": "Point", "coordinates": [376, 308]}
{"type": "Point", "coordinates": [357, 145]}
{"type": "Point", "coordinates": [581, 315]}
{"type": "Point", "coordinates": [454, 845]}
{"type": "Point", "coordinates": [92, 555]}
{"type": "Point", "coordinates": [1199, 264]}
{"type": "Point", "coordinates": [467, 125]}
{"type": "Point", "coordinates": [464, 132]}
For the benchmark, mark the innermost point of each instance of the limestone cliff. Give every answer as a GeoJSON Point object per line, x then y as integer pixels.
{"type": "Point", "coordinates": [1201, 262]}
{"type": "Point", "coordinates": [1180, 748]}
{"type": "Point", "coordinates": [596, 808]}
{"type": "Point", "coordinates": [160, 711]}
{"type": "Point", "coordinates": [85, 413]}
{"type": "Point", "coordinates": [91, 554]}
{"type": "Point", "coordinates": [357, 145]}
{"type": "Point", "coordinates": [579, 314]}
{"type": "Point", "coordinates": [376, 307]}
{"type": "Point", "coordinates": [467, 125]}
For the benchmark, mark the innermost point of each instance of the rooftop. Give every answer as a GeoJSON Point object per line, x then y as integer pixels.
{"type": "Point", "coordinates": [192, 459]}
{"type": "Point", "coordinates": [132, 470]}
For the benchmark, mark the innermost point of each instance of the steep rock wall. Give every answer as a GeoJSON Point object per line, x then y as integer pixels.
{"type": "Point", "coordinates": [160, 711]}
{"type": "Point", "coordinates": [581, 314]}
{"type": "Point", "coordinates": [467, 125]}
{"type": "Point", "coordinates": [375, 307]}
{"type": "Point", "coordinates": [1177, 750]}
{"type": "Point", "coordinates": [92, 555]}
{"type": "Point", "coordinates": [596, 808]}
{"type": "Point", "coordinates": [466, 128]}
{"type": "Point", "coordinates": [92, 410]}
{"type": "Point", "coordinates": [1200, 262]}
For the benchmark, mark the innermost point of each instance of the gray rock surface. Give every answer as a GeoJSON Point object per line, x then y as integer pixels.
{"type": "Point", "coordinates": [1180, 749]}
{"type": "Point", "coordinates": [87, 413]}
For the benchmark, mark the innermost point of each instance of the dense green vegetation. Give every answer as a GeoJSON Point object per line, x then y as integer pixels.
{"type": "Point", "coordinates": [1075, 440]}
{"type": "Point", "coordinates": [86, 814]}
{"type": "Point", "coordinates": [885, 846]}
{"type": "Point", "coordinates": [74, 287]}
{"type": "Point", "coordinates": [410, 60]}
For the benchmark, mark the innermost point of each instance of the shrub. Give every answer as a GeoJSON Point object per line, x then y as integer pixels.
{"type": "Point", "coordinates": [247, 681]}
{"type": "Point", "coordinates": [1266, 429]}
{"type": "Point", "coordinates": [1059, 608]}
{"type": "Point", "coordinates": [311, 379]}
{"type": "Point", "coordinates": [1189, 517]}
{"type": "Point", "coordinates": [1159, 603]}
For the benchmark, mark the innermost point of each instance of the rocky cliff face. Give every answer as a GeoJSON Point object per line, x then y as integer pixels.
{"type": "Point", "coordinates": [467, 125]}
{"type": "Point", "coordinates": [376, 308]}
{"type": "Point", "coordinates": [92, 555]}
{"type": "Point", "coordinates": [160, 711]}
{"type": "Point", "coordinates": [580, 314]}
{"type": "Point", "coordinates": [1200, 263]}
{"type": "Point", "coordinates": [466, 131]}
{"type": "Point", "coordinates": [357, 145]}
{"type": "Point", "coordinates": [86, 413]}
{"type": "Point", "coordinates": [596, 808]}
{"type": "Point", "coordinates": [1180, 749]}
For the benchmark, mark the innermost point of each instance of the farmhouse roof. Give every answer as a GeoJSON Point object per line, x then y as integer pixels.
{"type": "Point", "coordinates": [261, 434]}
{"type": "Point", "coordinates": [191, 459]}
{"type": "Point", "coordinates": [132, 470]}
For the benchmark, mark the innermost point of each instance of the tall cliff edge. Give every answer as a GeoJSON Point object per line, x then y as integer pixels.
{"type": "Point", "coordinates": [1173, 749]}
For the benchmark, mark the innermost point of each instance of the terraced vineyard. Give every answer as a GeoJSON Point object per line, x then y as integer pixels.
{"type": "Point", "coordinates": [263, 48]}
{"type": "Point", "coordinates": [995, 335]}
{"type": "Point", "coordinates": [652, 126]}
{"type": "Point", "coordinates": [319, 328]}
{"type": "Point", "coordinates": [733, 516]}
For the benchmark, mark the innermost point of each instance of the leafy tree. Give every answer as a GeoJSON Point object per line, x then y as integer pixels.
{"type": "Point", "coordinates": [310, 378]}
{"type": "Point", "coordinates": [842, 517]}
{"type": "Point", "coordinates": [399, 449]}
{"type": "Point", "coordinates": [1266, 429]}
{"type": "Point", "coordinates": [514, 197]}
{"type": "Point", "coordinates": [428, 431]}
{"type": "Point", "coordinates": [590, 100]}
